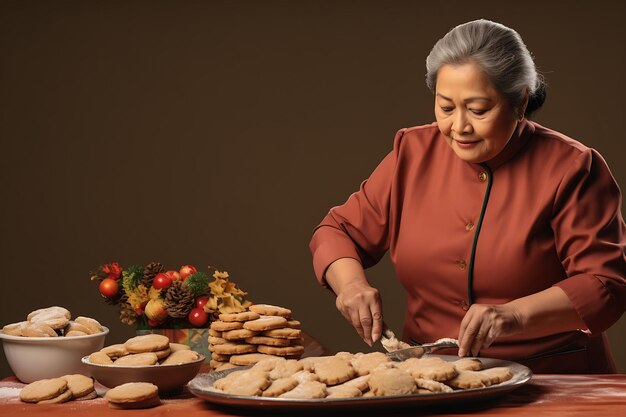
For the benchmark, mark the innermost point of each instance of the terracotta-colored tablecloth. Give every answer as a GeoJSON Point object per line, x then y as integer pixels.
{"type": "Point", "coordinates": [543, 395]}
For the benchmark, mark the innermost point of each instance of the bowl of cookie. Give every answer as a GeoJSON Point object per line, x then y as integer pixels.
{"type": "Point", "coordinates": [50, 343]}
{"type": "Point", "coordinates": [148, 358]}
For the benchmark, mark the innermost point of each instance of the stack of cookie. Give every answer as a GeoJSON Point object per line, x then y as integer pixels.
{"type": "Point", "coordinates": [245, 338]}
{"type": "Point", "coordinates": [150, 349]}
{"type": "Point", "coordinates": [133, 395]}
{"type": "Point", "coordinates": [52, 322]}
{"type": "Point", "coordinates": [59, 390]}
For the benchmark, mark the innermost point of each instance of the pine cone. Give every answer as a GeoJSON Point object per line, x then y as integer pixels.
{"type": "Point", "coordinates": [117, 298]}
{"type": "Point", "coordinates": [127, 314]}
{"type": "Point", "coordinates": [150, 271]}
{"type": "Point", "coordinates": [179, 300]}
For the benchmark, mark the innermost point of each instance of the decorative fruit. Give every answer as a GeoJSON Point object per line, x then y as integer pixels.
{"type": "Point", "coordinates": [153, 323]}
{"type": "Point", "coordinates": [201, 301]}
{"type": "Point", "coordinates": [187, 270]}
{"type": "Point", "coordinates": [161, 281]}
{"type": "Point", "coordinates": [156, 310]}
{"type": "Point", "coordinates": [108, 287]}
{"type": "Point", "coordinates": [139, 311]}
{"type": "Point", "coordinates": [174, 275]}
{"type": "Point", "coordinates": [197, 317]}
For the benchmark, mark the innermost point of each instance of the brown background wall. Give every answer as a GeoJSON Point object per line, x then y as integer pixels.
{"type": "Point", "coordinates": [221, 132]}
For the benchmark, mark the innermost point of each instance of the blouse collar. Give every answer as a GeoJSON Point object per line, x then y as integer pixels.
{"type": "Point", "coordinates": [520, 137]}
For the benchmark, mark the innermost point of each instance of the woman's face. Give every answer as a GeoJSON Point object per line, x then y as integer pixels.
{"type": "Point", "coordinates": [476, 120]}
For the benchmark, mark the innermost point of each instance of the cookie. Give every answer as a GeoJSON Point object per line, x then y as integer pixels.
{"type": "Point", "coordinates": [75, 333]}
{"type": "Point", "coordinates": [14, 329]}
{"type": "Point", "coordinates": [243, 316]}
{"type": "Point", "coordinates": [162, 354]}
{"type": "Point", "coordinates": [309, 363]}
{"type": "Point", "coordinates": [468, 364]}
{"type": "Point", "coordinates": [432, 386]}
{"type": "Point", "coordinates": [115, 351]}
{"type": "Point", "coordinates": [343, 391]}
{"type": "Point", "coordinates": [304, 376]}
{"type": "Point", "coordinates": [248, 382]}
{"type": "Point", "coordinates": [270, 310]}
{"type": "Point", "coordinates": [283, 333]}
{"type": "Point", "coordinates": [62, 398]}
{"type": "Point", "coordinates": [391, 381]}
{"type": "Point", "coordinates": [179, 346]}
{"type": "Point", "coordinates": [222, 366]}
{"type": "Point", "coordinates": [361, 382]}
{"type": "Point", "coordinates": [334, 371]}
{"type": "Point", "coordinates": [55, 317]}
{"type": "Point", "coordinates": [293, 324]}
{"type": "Point", "coordinates": [265, 323]}
{"type": "Point", "coordinates": [100, 358]}
{"type": "Point", "coordinates": [238, 334]}
{"type": "Point", "coordinates": [286, 351]}
{"type": "Point", "coordinates": [137, 359]}
{"type": "Point", "coordinates": [79, 385]}
{"type": "Point", "coordinates": [251, 359]}
{"type": "Point", "coordinates": [224, 326]}
{"type": "Point", "coordinates": [429, 368]}
{"type": "Point", "coordinates": [280, 386]}
{"type": "Point", "coordinates": [466, 380]}
{"type": "Point", "coordinates": [285, 368]}
{"type": "Point", "coordinates": [214, 340]}
{"type": "Point", "coordinates": [43, 389]}
{"type": "Point", "coordinates": [346, 356]}
{"type": "Point", "coordinates": [215, 333]}
{"type": "Point", "coordinates": [77, 327]}
{"type": "Point", "coordinates": [219, 357]}
{"type": "Point", "coordinates": [147, 343]}
{"type": "Point", "coordinates": [133, 395]}
{"type": "Point", "coordinates": [268, 341]}
{"type": "Point", "coordinates": [93, 325]}
{"type": "Point", "coordinates": [363, 364]}
{"type": "Point", "coordinates": [306, 390]}
{"type": "Point", "coordinates": [182, 356]}
{"type": "Point", "coordinates": [495, 375]}
{"type": "Point", "coordinates": [234, 348]}
{"type": "Point", "coordinates": [38, 330]}
{"type": "Point", "coordinates": [89, 396]}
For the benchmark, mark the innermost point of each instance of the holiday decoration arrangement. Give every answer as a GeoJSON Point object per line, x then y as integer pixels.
{"type": "Point", "coordinates": [152, 297]}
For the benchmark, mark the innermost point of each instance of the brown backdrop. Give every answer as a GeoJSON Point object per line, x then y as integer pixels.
{"type": "Point", "coordinates": [221, 132]}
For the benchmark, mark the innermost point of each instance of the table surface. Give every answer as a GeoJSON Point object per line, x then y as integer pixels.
{"type": "Point", "coordinates": [543, 395]}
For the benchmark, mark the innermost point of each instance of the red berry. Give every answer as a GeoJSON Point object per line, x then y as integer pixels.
{"type": "Point", "coordinates": [187, 270]}
{"type": "Point", "coordinates": [153, 323]}
{"type": "Point", "coordinates": [201, 301]}
{"type": "Point", "coordinates": [161, 281]}
{"type": "Point", "coordinates": [197, 317]}
{"type": "Point", "coordinates": [108, 287]}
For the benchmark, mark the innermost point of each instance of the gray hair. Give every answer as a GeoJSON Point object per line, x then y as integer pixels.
{"type": "Point", "coordinates": [501, 54]}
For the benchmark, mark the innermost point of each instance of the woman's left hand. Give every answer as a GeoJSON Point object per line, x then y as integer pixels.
{"type": "Point", "coordinates": [484, 323]}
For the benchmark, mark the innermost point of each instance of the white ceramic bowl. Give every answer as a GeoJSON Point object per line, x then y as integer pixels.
{"type": "Point", "coordinates": [166, 377]}
{"type": "Point", "coordinates": [34, 358]}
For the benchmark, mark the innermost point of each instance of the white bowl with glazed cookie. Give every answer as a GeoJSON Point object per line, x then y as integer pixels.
{"type": "Point", "coordinates": [34, 358]}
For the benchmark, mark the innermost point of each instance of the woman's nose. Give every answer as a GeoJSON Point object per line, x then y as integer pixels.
{"type": "Point", "coordinates": [460, 124]}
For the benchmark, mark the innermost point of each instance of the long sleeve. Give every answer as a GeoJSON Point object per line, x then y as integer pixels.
{"type": "Point", "coordinates": [359, 228]}
{"type": "Point", "coordinates": [590, 241]}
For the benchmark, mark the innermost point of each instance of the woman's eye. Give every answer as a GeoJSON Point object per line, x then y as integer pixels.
{"type": "Point", "coordinates": [479, 112]}
{"type": "Point", "coordinates": [447, 109]}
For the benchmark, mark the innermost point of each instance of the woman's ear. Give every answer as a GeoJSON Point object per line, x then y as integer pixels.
{"type": "Point", "coordinates": [522, 109]}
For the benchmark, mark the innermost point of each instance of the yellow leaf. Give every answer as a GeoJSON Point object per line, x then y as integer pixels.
{"type": "Point", "coordinates": [211, 305]}
{"type": "Point", "coordinates": [138, 297]}
{"type": "Point", "coordinates": [217, 286]}
{"type": "Point", "coordinates": [154, 293]}
{"type": "Point", "coordinates": [220, 275]}
{"type": "Point", "coordinates": [229, 304]}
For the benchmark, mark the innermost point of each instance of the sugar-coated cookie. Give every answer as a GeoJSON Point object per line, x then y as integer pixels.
{"type": "Point", "coordinates": [40, 329]}
{"type": "Point", "coordinates": [93, 325]}
{"type": "Point", "coordinates": [270, 310]}
{"type": "Point", "coordinates": [15, 329]}
{"type": "Point", "coordinates": [243, 316]}
{"type": "Point", "coordinates": [265, 323]}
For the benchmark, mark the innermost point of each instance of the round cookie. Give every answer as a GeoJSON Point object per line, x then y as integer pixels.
{"type": "Point", "coordinates": [74, 326]}
{"type": "Point", "coordinates": [234, 348]}
{"type": "Point", "coordinates": [224, 326]}
{"type": "Point", "coordinates": [62, 398]}
{"type": "Point", "coordinates": [283, 333]}
{"type": "Point", "coordinates": [334, 371]}
{"type": "Point", "coordinates": [15, 329]}
{"type": "Point", "coordinates": [43, 389]}
{"type": "Point", "coordinates": [281, 351]}
{"type": "Point", "coordinates": [38, 330]}
{"type": "Point", "coordinates": [306, 390]}
{"type": "Point", "coordinates": [137, 359]}
{"type": "Point", "coordinates": [100, 358]}
{"type": "Point", "coordinates": [147, 343]}
{"type": "Point", "coordinates": [115, 351]}
{"type": "Point", "coordinates": [265, 323]}
{"type": "Point", "coordinates": [391, 381]}
{"type": "Point", "coordinates": [54, 311]}
{"type": "Point", "coordinates": [74, 333]}
{"type": "Point", "coordinates": [79, 385]}
{"type": "Point", "coordinates": [280, 386]}
{"type": "Point", "coordinates": [92, 324]}
{"type": "Point", "coordinates": [249, 358]}
{"type": "Point", "coordinates": [133, 395]}
{"type": "Point", "coordinates": [214, 340]}
{"type": "Point", "coordinates": [219, 357]}
{"type": "Point", "coordinates": [238, 334]}
{"type": "Point", "coordinates": [269, 341]}
{"type": "Point", "coordinates": [270, 310]}
{"type": "Point", "coordinates": [293, 324]}
{"type": "Point", "coordinates": [248, 382]}
{"type": "Point", "coordinates": [179, 346]}
{"type": "Point", "coordinates": [243, 316]}
{"type": "Point", "coordinates": [181, 356]}
{"type": "Point", "coordinates": [89, 396]}
{"type": "Point", "coordinates": [162, 354]}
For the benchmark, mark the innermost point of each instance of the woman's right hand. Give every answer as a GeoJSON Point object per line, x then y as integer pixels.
{"type": "Point", "coordinates": [359, 302]}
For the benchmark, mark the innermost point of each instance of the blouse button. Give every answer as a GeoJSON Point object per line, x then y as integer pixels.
{"type": "Point", "coordinates": [482, 176]}
{"type": "Point", "coordinates": [461, 264]}
{"type": "Point", "coordinates": [469, 226]}
{"type": "Point", "coordinates": [464, 305]}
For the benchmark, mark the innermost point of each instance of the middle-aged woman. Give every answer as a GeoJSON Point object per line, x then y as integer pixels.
{"type": "Point", "coordinates": [504, 233]}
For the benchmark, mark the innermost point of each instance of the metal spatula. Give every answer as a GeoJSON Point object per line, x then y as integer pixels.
{"type": "Point", "coordinates": [388, 340]}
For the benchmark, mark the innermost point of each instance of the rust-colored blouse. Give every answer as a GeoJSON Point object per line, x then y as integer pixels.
{"type": "Point", "coordinates": [544, 212]}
